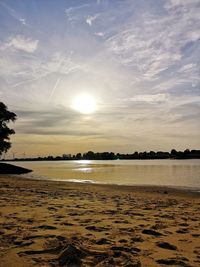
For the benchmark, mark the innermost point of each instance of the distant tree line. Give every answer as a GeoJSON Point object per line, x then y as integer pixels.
{"type": "Point", "coordinates": [90, 155]}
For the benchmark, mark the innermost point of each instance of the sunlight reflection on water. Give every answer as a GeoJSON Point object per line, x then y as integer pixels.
{"type": "Point", "coordinates": [85, 169]}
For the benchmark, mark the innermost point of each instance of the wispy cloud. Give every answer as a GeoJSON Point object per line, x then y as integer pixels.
{"type": "Point", "coordinates": [73, 13]}
{"type": "Point", "coordinates": [23, 21]}
{"type": "Point", "coordinates": [154, 43]}
{"type": "Point", "coordinates": [154, 98]}
{"type": "Point", "coordinates": [90, 19]}
{"type": "Point", "coordinates": [22, 43]}
{"type": "Point", "coordinates": [99, 34]}
{"type": "Point", "coordinates": [33, 69]}
{"type": "Point", "coordinates": [58, 121]}
{"type": "Point", "coordinates": [178, 3]}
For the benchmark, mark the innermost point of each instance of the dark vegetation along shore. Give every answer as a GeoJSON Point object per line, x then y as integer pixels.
{"type": "Point", "coordinates": [90, 155]}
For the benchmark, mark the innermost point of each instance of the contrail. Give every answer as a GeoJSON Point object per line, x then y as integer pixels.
{"type": "Point", "coordinates": [14, 14]}
{"type": "Point", "coordinates": [54, 88]}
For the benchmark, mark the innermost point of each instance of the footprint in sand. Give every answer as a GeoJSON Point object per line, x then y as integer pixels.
{"type": "Point", "coordinates": [47, 227]}
{"type": "Point", "coordinates": [175, 262]}
{"type": "Point", "coordinates": [151, 232]}
{"type": "Point", "coordinates": [96, 229]}
{"type": "Point", "coordinates": [166, 245]}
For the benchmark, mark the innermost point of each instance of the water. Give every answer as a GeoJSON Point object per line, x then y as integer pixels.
{"type": "Point", "coordinates": [185, 173]}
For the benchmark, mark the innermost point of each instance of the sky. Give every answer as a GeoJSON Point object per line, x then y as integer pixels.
{"type": "Point", "coordinates": [138, 59]}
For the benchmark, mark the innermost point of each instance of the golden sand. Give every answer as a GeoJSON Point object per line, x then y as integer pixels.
{"type": "Point", "coordinates": [67, 224]}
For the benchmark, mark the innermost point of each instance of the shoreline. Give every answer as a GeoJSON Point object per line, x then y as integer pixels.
{"type": "Point", "coordinates": [183, 189]}
{"type": "Point", "coordinates": [49, 223]}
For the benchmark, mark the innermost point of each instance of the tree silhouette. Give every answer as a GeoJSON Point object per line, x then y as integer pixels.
{"type": "Point", "coordinates": [5, 117]}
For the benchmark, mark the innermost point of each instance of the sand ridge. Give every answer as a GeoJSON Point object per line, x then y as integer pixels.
{"type": "Point", "coordinates": [67, 224]}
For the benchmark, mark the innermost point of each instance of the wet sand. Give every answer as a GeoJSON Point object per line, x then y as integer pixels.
{"type": "Point", "coordinates": [66, 224]}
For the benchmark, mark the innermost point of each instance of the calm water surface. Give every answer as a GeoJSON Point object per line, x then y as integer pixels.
{"type": "Point", "coordinates": [184, 173]}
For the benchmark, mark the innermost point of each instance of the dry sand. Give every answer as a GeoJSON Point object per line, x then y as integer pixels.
{"type": "Point", "coordinates": [67, 224]}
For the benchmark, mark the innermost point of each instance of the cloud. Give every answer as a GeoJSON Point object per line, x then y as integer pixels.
{"type": "Point", "coordinates": [184, 3]}
{"type": "Point", "coordinates": [29, 69]}
{"type": "Point", "coordinates": [49, 132]}
{"type": "Point", "coordinates": [150, 98]}
{"type": "Point", "coordinates": [152, 43]}
{"type": "Point", "coordinates": [22, 43]}
{"type": "Point", "coordinates": [23, 21]}
{"type": "Point", "coordinates": [188, 68]}
{"type": "Point", "coordinates": [99, 34]}
{"type": "Point", "coordinates": [186, 112]}
{"type": "Point", "coordinates": [91, 19]}
{"type": "Point", "coordinates": [43, 119]}
{"type": "Point", "coordinates": [73, 13]}
{"type": "Point", "coordinates": [53, 121]}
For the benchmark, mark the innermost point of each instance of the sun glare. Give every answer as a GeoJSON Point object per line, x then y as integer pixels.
{"type": "Point", "coordinates": [85, 104]}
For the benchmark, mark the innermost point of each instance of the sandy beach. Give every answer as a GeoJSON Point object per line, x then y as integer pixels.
{"type": "Point", "coordinates": [69, 224]}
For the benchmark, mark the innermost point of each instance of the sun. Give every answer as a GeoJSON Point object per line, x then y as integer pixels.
{"type": "Point", "coordinates": [85, 104]}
